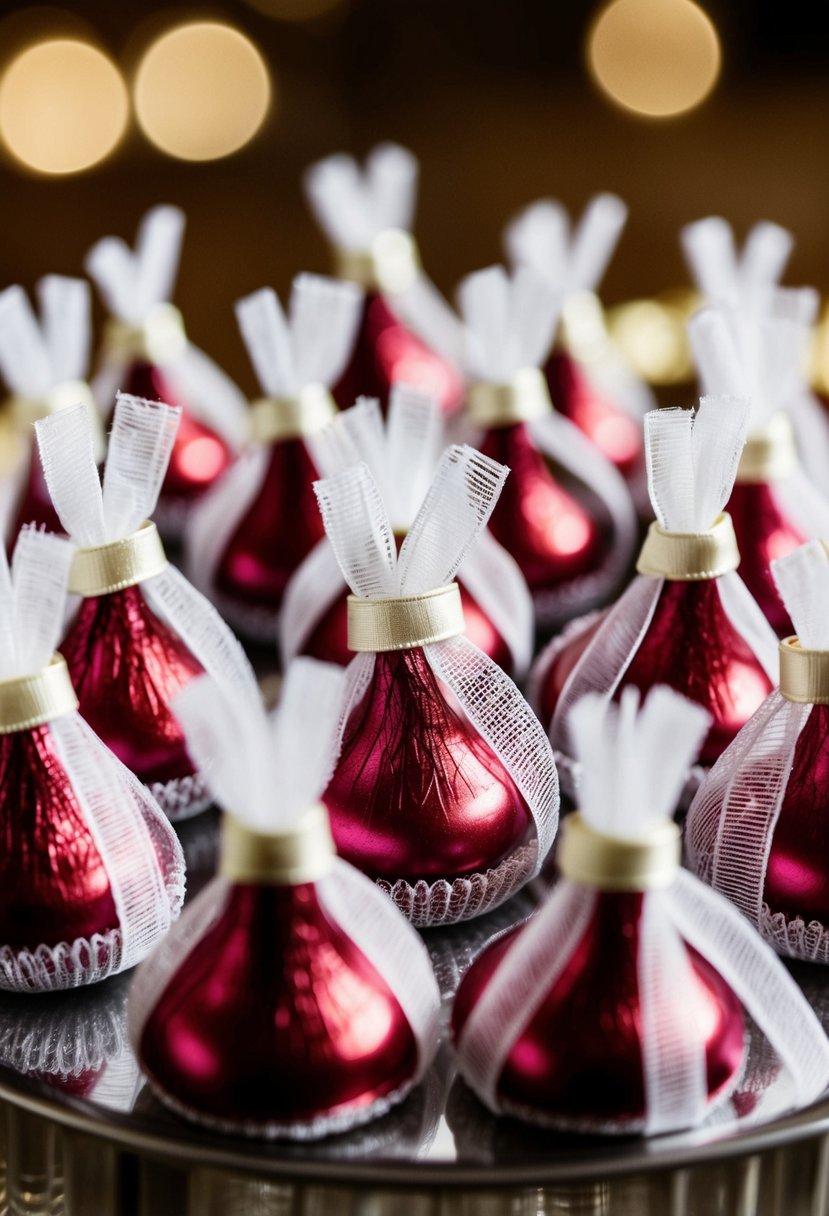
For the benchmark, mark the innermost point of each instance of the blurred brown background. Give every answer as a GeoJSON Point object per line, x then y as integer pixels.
{"type": "Point", "coordinates": [495, 100]}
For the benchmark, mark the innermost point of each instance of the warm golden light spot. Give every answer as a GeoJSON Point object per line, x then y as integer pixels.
{"type": "Point", "coordinates": [202, 91]}
{"type": "Point", "coordinates": [652, 335]}
{"type": "Point", "coordinates": [657, 58]}
{"type": "Point", "coordinates": [63, 106]}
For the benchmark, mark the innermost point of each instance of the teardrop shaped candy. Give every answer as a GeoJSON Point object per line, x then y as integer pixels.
{"type": "Point", "coordinates": [763, 534]}
{"type": "Point", "coordinates": [617, 436]}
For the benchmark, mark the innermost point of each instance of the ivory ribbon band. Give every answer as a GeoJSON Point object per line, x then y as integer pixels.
{"type": "Point", "coordinates": [582, 332]}
{"type": "Point", "coordinates": [611, 864]}
{"type": "Point", "coordinates": [406, 621]}
{"type": "Point", "coordinates": [524, 398]}
{"type": "Point", "coordinates": [160, 338]}
{"type": "Point", "coordinates": [770, 454]}
{"type": "Point", "coordinates": [26, 411]}
{"type": "Point", "coordinates": [29, 701]}
{"type": "Point", "coordinates": [690, 557]}
{"type": "Point", "coordinates": [300, 854]}
{"type": "Point", "coordinates": [804, 674]}
{"type": "Point", "coordinates": [275, 418]}
{"type": "Point", "coordinates": [389, 265]}
{"type": "Point", "coordinates": [103, 569]}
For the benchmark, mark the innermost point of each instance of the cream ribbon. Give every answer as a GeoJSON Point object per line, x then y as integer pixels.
{"type": "Point", "coordinates": [390, 264]}
{"type": "Point", "coordinates": [103, 569]}
{"type": "Point", "coordinates": [29, 701]}
{"type": "Point", "coordinates": [686, 557]}
{"type": "Point", "coordinates": [522, 399]}
{"type": "Point", "coordinates": [609, 863]}
{"type": "Point", "coordinates": [160, 338]}
{"type": "Point", "coordinates": [770, 454]}
{"type": "Point", "coordinates": [26, 411]}
{"type": "Point", "coordinates": [276, 418]}
{"type": "Point", "coordinates": [804, 674]}
{"type": "Point", "coordinates": [302, 853]}
{"type": "Point", "coordinates": [406, 621]}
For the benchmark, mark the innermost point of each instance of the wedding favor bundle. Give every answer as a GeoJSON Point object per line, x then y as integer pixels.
{"type": "Point", "coordinates": [774, 505]}
{"type": "Point", "coordinates": [618, 1007]}
{"type": "Point", "coordinates": [261, 521]}
{"type": "Point", "coordinates": [402, 455]}
{"type": "Point", "coordinates": [445, 790]}
{"type": "Point", "coordinates": [565, 514]}
{"type": "Point", "coordinates": [312, 999]}
{"type": "Point", "coordinates": [147, 353]}
{"type": "Point", "coordinates": [44, 361]}
{"type": "Point", "coordinates": [367, 217]}
{"type": "Point", "coordinates": [589, 381]}
{"type": "Point", "coordinates": [749, 282]}
{"type": "Point", "coordinates": [141, 631]}
{"type": "Point", "coordinates": [687, 619]}
{"type": "Point", "coordinates": [756, 830]}
{"type": "Point", "coordinates": [92, 874]}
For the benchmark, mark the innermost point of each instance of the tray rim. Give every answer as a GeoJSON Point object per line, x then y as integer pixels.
{"type": "Point", "coordinates": [185, 1148]}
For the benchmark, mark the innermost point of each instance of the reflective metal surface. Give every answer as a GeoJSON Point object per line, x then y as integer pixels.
{"type": "Point", "coordinates": [79, 1123]}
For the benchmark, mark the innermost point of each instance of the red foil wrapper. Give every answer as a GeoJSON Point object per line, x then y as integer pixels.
{"type": "Point", "coordinates": [579, 1058]}
{"type": "Point", "coordinates": [53, 884]}
{"type": "Point", "coordinates": [126, 666]}
{"type": "Point", "coordinates": [763, 534]}
{"type": "Point", "coordinates": [549, 533]}
{"type": "Point", "coordinates": [36, 504]}
{"type": "Point", "coordinates": [275, 534]}
{"type": "Point", "coordinates": [797, 875]}
{"type": "Point", "coordinates": [200, 455]}
{"type": "Point", "coordinates": [385, 352]}
{"type": "Point", "coordinates": [692, 647]}
{"type": "Point", "coordinates": [617, 436]}
{"type": "Point", "coordinates": [328, 640]}
{"type": "Point", "coordinates": [275, 1016]}
{"type": "Point", "coordinates": [417, 793]}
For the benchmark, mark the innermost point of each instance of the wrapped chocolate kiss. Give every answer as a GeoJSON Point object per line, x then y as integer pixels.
{"type": "Point", "coordinates": [312, 1002]}
{"type": "Point", "coordinates": [44, 361]}
{"type": "Point", "coordinates": [367, 217]}
{"type": "Point", "coordinates": [141, 632]}
{"type": "Point", "coordinates": [445, 791]}
{"type": "Point", "coordinates": [91, 873]}
{"type": "Point", "coordinates": [756, 830]}
{"type": "Point", "coordinates": [565, 515]}
{"type": "Point", "coordinates": [261, 521]}
{"type": "Point", "coordinates": [618, 1007]}
{"type": "Point", "coordinates": [749, 282]}
{"type": "Point", "coordinates": [589, 380]}
{"type": "Point", "coordinates": [402, 455]}
{"type": "Point", "coordinates": [687, 619]}
{"type": "Point", "coordinates": [774, 505]}
{"type": "Point", "coordinates": [146, 353]}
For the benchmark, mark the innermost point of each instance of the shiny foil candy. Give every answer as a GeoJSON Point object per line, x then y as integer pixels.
{"type": "Point", "coordinates": [764, 533]}
{"type": "Point", "coordinates": [577, 1062]}
{"type": "Point", "coordinates": [319, 1041]}
{"type": "Point", "coordinates": [615, 433]}
{"type": "Point", "coordinates": [418, 796]}
{"type": "Point", "coordinates": [127, 665]}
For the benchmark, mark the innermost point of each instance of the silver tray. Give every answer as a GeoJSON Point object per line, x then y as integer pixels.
{"type": "Point", "coordinates": [66, 1059]}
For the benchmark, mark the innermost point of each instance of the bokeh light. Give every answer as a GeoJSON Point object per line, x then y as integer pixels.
{"type": "Point", "coordinates": [63, 106]}
{"type": "Point", "coordinates": [202, 91]}
{"type": "Point", "coordinates": [657, 58]}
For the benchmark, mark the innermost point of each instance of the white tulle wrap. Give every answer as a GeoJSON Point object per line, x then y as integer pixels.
{"type": "Point", "coordinates": [402, 456]}
{"type": "Point", "coordinates": [310, 344]}
{"type": "Point", "coordinates": [45, 361]}
{"type": "Point", "coordinates": [572, 259]}
{"type": "Point", "coordinates": [136, 285]}
{"type": "Point", "coordinates": [269, 770]}
{"type": "Point", "coordinates": [507, 324]}
{"type": "Point", "coordinates": [636, 771]}
{"type": "Point", "coordinates": [140, 444]}
{"type": "Point", "coordinates": [749, 282]}
{"type": "Point", "coordinates": [454, 512]}
{"type": "Point", "coordinates": [732, 820]}
{"type": "Point", "coordinates": [692, 459]}
{"type": "Point", "coordinates": [140, 852]}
